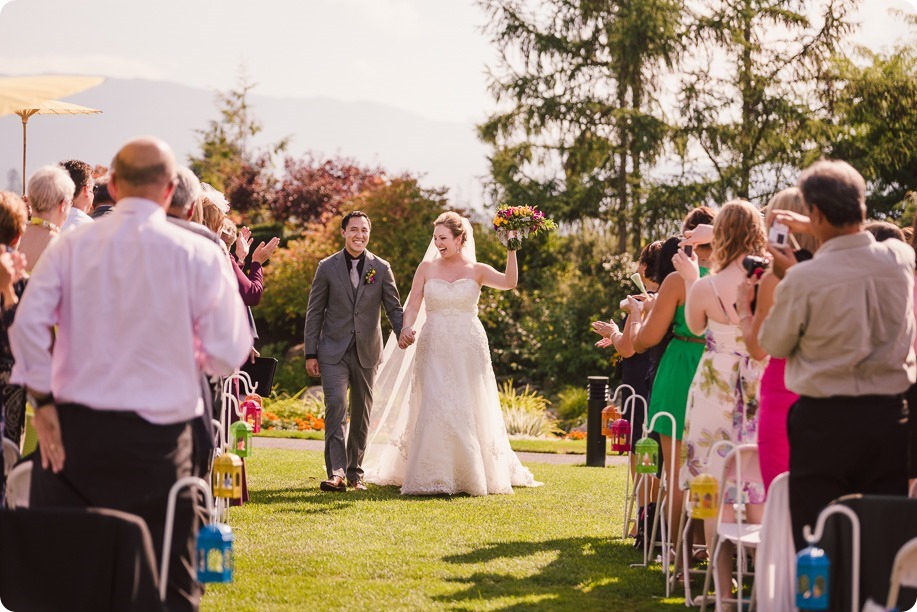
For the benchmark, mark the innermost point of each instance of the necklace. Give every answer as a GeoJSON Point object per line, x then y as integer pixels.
{"type": "Point", "coordinates": [45, 224]}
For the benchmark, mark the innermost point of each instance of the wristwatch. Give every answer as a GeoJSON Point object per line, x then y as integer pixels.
{"type": "Point", "coordinates": [38, 401]}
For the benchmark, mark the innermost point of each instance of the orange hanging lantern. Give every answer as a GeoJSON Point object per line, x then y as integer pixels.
{"type": "Point", "coordinates": [610, 414]}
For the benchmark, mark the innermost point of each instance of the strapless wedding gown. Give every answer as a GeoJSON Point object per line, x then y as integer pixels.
{"type": "Point", "coordinates": [453, 439]}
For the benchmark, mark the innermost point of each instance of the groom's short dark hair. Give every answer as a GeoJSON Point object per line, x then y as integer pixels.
{"type": "Point", "coordinates": [351, 215]}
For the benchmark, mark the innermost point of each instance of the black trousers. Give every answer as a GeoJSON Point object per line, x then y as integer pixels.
{"type": "Point", "coordinates": [843, 445]}
{"type": "Point", "coordinates": [120, 461]}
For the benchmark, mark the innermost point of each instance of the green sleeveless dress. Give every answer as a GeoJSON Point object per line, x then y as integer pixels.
{"type": "Point", "coordinates": [674, 375]}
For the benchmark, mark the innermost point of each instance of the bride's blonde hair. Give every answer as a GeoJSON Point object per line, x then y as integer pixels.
{"type": "Point", "coordinates": [453, 222]}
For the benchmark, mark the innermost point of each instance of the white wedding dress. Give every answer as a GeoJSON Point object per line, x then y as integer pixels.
{"type": "Point", "coordinates": [451, 439]}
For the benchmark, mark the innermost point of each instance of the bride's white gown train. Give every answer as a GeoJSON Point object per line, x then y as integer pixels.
{"type": "Point", "coordinates": [453, 439]}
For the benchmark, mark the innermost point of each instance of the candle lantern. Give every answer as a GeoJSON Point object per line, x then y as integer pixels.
{"type": "Point", "coordinates": [620, 436]}
{"type": "Point", "coordinates": [241, 438]}
{"type": "Point", "coordinates": [214, 553]}
{"type": "Point", "coordinates": [226, 476]}
{"type": "Point", "coordinates": [812, 569]}
{"type": "Point", "coordinates": [251, 410]}
{"type": "Point", "coordinates": [647, 451]}
{"type": "Point", "coordinates": [609, 415]}
{"type": "Point", "coordinates": [704, 495]}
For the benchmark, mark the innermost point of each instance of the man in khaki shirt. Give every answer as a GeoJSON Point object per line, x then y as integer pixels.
{"type": "Point", "coordinates": [844, 321]}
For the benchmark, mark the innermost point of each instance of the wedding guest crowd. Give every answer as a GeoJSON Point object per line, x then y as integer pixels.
{"type": "Point", "coordinates": [802, 344]}
{"type": "Point", "coordinates": [127, 311]}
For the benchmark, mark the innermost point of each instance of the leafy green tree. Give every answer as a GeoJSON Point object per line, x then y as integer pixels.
{"type": "Point", "coordinates": [583, 123]}
{"type": "Point", "coordinates": [751, 109]}
{"type": "Point", "coordinates": [876, 123]}
{"type": "Point", "coordinates": [227, 159]}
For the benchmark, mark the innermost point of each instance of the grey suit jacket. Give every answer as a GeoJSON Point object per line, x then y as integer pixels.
{"type": "Point", "coordinates": [336, 316]}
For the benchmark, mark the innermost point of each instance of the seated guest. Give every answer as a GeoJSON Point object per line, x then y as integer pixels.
{"type": "Point", "coordinates": [81, 173]}
{"type": "Point", "coordinates": [849, 351]}
{"type": "Point", "coordinates": [50, 193]}
{"type": "Point", "coordinates": [102, 202]}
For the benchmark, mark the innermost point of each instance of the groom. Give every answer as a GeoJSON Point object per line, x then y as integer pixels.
{"type": "Point", "coordinates": [343, 343]}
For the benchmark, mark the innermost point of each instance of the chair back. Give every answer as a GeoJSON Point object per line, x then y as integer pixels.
{"type": "Point", "coordinates": [775, 563]}
{"type": "Point", "coordinates": [904, 572]}
{"type": "Point", "coordinates": [10, 455]}
{"type": "Point", "coordinates": [18, 486]}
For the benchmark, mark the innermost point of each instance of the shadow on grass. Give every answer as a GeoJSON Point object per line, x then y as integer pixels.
{"type": "Point", "coordinates": [584, 574]}
{"type": "Point", "coordinates": [311, 500]}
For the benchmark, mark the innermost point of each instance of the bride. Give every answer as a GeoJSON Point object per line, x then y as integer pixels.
{"type": "Point", "coordinates": [438, 427]}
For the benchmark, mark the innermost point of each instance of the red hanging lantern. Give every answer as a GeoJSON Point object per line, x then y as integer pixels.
{"type": "Point", "coordinates": [620, 436]}
{"type": "Point", "coordinates": [609, 415]}
{"type": "Point", "coordinates": [251, 412]}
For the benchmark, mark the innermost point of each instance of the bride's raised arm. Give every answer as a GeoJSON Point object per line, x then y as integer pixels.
{"type": "Point", "coordinates": [500, 280]}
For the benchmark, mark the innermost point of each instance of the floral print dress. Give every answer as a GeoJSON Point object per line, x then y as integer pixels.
{"type": "Point", "coordinates": [722, 405]}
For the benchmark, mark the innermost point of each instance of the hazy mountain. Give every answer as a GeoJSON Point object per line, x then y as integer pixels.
{"type": "Point", "coordinates": [448, 154]}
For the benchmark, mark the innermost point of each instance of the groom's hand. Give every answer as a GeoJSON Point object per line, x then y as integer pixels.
{"type": "Point", "coordinates": [406, 338]}
{"type": "Point", "coordinates": [312, 368]}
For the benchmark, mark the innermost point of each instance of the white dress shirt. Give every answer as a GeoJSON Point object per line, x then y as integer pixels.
{"type": "Point", "coordinates": [140, 305]}
{"type": "Point", "coordinates": [844, 320]}
{"type": "Point", "coordinates": [76, 218]}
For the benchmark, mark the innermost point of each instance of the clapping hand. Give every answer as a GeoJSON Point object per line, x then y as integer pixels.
{"type": "Point", "coordinates": [264, 251]}
{"type": "Point", "coordinates": [243, 243]}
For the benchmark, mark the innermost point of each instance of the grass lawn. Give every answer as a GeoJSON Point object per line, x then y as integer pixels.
{"type": "Point", "coordinates": [523, 445]}
{"type": "Point", "coordinates": [553, 547]}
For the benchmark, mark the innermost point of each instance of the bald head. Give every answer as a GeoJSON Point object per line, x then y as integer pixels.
{"type": "Point", "coordinates": [144, 168]}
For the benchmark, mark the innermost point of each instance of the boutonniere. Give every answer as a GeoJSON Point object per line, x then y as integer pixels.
{"type": "Point", "coordinates": [370, 277]}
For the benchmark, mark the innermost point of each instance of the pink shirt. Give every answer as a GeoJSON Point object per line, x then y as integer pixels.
{"type": "Point", "coordinates": [139, 303]}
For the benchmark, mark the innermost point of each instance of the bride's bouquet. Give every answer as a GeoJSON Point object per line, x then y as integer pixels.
{"type": "Point", "coordinates": [514, 224]}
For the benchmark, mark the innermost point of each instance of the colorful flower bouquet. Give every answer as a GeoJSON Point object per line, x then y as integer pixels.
{"type": "Point", "coordinates": [514, 224]}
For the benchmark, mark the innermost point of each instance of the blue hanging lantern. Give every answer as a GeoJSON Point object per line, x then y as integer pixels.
{"type": "Point", "coordinates": [214, 553]}
{"type": "Point", "coordinates": [812, 570]}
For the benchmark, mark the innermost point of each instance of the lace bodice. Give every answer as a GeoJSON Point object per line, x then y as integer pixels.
{"type": "Point", "coordinates": [459, 296]}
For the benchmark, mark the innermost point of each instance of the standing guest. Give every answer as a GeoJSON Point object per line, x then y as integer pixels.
{"type": "Point", "coordinates": [844, 322]}
{"type": "Point", "coordinates": [83, 194]}
{"type": "Point", "coordinates": [723, 397]}
{"type": "Point", "coordinates": [883, 230]}
{"type": "Point", "coordinates": [140, 306]}
{"type": "Point", "coordinates": [776, 399]}
{"type": "Point", "coordinates": [343, 344]}
{"type": "Point", "coordinates": [13, 219]}
{"type": "Point", "coordinates": [102, 202]}
{"type": "Point", "coordinates": [50, 194]}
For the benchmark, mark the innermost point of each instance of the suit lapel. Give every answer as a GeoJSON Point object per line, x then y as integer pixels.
{"type": "Point", "coordinates": [344, 274]}
{"type": "Point", "coordinates": [361, 284]}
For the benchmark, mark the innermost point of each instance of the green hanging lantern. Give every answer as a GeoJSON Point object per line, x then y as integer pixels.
{"type": "Point", "coordinates": [647, 451]}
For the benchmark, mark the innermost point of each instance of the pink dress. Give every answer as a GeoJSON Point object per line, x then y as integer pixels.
{"type": "Point", "coordinates": [776, 399]}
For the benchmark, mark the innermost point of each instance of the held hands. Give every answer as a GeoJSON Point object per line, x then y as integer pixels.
{"type": "Point", "coordinates": [406, 338]}
{"type": "Point", "coordinates": [686, 266]}
{"type": "Point", "coordinates": [264, 251]}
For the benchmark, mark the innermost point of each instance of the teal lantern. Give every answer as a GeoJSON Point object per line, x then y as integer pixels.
{"type": "Point", "coordinates": [214, 553]}
{"type": "Point", "coordinates": [647, 453]}
{"type": "Point", "coordinates": [812, 569]}
{"type": "Point", "coordinates": [241, 439]}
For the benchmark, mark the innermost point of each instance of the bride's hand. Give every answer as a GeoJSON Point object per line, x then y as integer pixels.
{"type": "Point", "coordinates": [406, 338]}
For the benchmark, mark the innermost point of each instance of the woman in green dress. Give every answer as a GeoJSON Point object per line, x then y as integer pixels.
{"type": "Point", "coordinates": [662, 318]}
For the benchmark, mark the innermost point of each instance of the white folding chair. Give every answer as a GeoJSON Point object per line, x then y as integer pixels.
{"type": "Point", "coordinates": [775, 561]}
{"type": "Point", "coordinates": [10, 455]}
{"type": "Point", "coordinates": [18, 486]}
{"type": "Point", "coordinates": [630, 488]}
{"type": "Point", "coordinates": [662, 521]}
{"type": "Point", "coordinates": [904, 572]}
{"type": "Point", "coordinates": [741, 465]}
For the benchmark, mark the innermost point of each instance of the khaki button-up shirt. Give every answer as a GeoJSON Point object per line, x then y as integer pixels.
{"type": "Point", "coordinates": [844, 320]}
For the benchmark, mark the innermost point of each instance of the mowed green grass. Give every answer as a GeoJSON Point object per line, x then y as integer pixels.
{"type": "Point", "coordinates": [556, 547]}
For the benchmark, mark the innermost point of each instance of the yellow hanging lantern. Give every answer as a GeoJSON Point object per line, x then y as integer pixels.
{"type": "Point", "coordinates": [704, 495]}
{"type": "Point", "coordinates": [226, 479]}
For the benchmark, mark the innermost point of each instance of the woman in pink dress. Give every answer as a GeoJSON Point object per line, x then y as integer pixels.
{"type": "Point", "coordinates": [776, 399]}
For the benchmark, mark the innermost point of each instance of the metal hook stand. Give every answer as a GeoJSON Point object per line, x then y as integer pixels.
{"type": "Point", "coordinates": [188, 481]}
{"type": "Point", "coordinates": [630, 497]}
{"type": "Point", "coordinates": [664, 502]}
{"type": "Point", "coordinates": [813, 538]}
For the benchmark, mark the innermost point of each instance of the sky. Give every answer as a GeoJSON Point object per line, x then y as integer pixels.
{"type": "Point", "coordinates": [424, 56]}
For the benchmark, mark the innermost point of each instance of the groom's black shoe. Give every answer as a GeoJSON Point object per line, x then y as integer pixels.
{"type": "Point", "coordinates": [335, 483]}
{"type": "Point", "coordinates": [357, 484]}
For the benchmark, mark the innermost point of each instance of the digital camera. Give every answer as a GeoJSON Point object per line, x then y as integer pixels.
{"type": "Point", "coordinates": [754, 266]}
